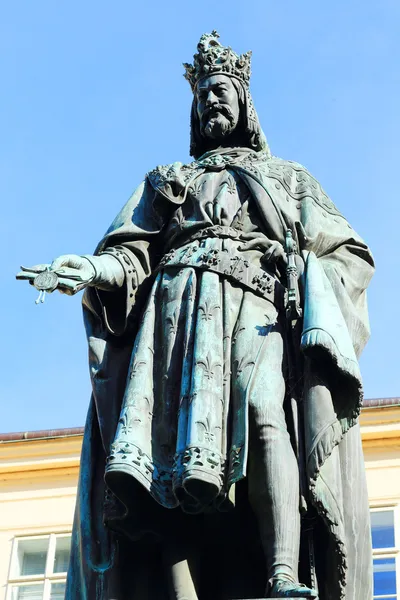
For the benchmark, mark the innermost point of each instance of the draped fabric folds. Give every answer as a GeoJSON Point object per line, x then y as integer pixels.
{"type": "Point", "coordinates": [168, 210]}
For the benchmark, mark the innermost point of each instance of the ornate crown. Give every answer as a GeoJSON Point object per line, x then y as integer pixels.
{"type": "Point", "coordinates": [213, 58]}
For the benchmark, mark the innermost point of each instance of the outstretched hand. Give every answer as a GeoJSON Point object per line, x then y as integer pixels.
{"type": "Point", "coordinates": [74, 273]}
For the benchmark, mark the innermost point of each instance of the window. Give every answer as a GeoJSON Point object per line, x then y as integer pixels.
{"type": "Point", "coordinates": [39, 567]}
{"type": "Point", "coordinates": [386, 555]}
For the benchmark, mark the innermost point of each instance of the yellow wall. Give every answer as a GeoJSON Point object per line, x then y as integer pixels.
{"type": "Point", "coordinates": [38, 479]}
{"type": "Point", "coordinates": [37, 491]}
{"type": "Point", "coordinates": [380, 430]}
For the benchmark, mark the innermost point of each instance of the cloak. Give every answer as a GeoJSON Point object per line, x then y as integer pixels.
{"type": "Point", "coordinates": [338, 268]}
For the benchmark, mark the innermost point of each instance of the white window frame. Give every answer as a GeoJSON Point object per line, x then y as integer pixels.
{"type": "Point", "coordinates": [390, 552]}
{"type": "Point", "coordinates": [49, 577]}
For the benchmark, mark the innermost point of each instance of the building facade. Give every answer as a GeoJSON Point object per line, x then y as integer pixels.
{"type": "Point", "coordinates": [39, 473]}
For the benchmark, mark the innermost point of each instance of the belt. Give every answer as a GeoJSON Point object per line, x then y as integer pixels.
{"type": "Point", "coordinates": [232, 266]}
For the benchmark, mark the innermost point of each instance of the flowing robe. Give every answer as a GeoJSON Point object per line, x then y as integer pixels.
{"type": "Point", "coordinates": [338, 267]}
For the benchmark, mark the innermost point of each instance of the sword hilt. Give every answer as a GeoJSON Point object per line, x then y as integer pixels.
{"type": "Point", "coordinates": [293, 309]}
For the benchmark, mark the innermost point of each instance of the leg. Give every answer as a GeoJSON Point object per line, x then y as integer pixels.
{"type": "Point", "coordinates": [273, 474]}
{"type": "Point", "coordinates": [273, 471]}
{"type": "Point", "coordinates": [180, 564]}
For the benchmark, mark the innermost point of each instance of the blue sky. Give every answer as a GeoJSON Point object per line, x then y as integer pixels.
{"type": "Point", "coordinates": [93, 97]}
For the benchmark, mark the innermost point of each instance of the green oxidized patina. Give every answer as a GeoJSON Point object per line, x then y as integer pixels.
{"type": "Point", "coordinates": [208, 396]}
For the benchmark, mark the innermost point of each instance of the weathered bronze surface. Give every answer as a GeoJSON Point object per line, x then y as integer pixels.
{"type": "Point", "coordinates": [225, 310]}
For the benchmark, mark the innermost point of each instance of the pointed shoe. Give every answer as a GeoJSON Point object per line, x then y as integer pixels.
{"type": "Point", "coordinates": [281, 588]}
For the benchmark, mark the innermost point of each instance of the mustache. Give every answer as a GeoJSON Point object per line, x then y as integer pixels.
{"type": "Point", "coordinates": [223, 109]}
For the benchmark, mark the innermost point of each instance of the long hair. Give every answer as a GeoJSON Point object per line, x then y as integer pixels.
{"type": "Point", "coordinates": [248, 127]}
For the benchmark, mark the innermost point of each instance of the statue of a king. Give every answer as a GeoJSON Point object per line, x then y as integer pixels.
{"type": "Point", "coordinates": [225, 310]}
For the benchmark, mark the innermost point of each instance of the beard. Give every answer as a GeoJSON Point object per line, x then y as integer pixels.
{"type": "Point", "coordinates": [217, 121]}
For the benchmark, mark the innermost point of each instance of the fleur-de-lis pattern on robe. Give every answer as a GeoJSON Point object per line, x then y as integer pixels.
{"type": "Point", "coordinates": [189, 370]}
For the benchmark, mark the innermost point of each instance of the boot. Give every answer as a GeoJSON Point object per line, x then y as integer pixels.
{"type": "Point", "coordinates": [283, 588]}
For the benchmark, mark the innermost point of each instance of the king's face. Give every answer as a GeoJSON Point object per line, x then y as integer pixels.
{"type": "Point", "coordinates": [217, 106]}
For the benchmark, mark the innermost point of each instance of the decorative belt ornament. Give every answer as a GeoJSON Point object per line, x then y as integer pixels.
{"type": "Point", "coordinates": [232, 266]}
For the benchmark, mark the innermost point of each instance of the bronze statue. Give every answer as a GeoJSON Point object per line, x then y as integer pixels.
{"type": "Point", "coordinates": [225, 310]}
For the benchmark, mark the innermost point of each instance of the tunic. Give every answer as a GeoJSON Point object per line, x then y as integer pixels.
{"type": "Point", "coordinates": [183, 428]}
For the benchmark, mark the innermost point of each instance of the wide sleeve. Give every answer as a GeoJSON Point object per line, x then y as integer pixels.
{"type": "Point", "coordinates": [134, 239]}
{"type": "Point", "coordinates": [338, 269]}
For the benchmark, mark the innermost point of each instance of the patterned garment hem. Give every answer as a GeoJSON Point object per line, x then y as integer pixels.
{"type": "Point", "coordinates": [157, 489]}
{"type": "Point", "coordinates": [195, 481]}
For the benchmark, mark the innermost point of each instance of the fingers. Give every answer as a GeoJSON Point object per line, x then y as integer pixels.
{"type": "Point", "coordinates": [25, 275]}
{"type": "Point", "coordinates": [272, 254]}
{"type": "Point", "coordinates": [255, 244]}
{"type": "Point", "coordinates": [62, 261]}
{"type": "Point", "coordinates": [275, 255]}
{"type": "Point", "coordinates": [68, 286]}
{"type": "Point", "coordinates": [65, 291]}
{"type": "Point", "coordinates": [31, 272]}
{"type": "Point", "coordinates": [251, 235]}
{"type": "Point", "coordinates": [70, 273]}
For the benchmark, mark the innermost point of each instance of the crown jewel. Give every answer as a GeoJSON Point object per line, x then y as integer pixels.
{"type": "Point", "coordinates": [213, 58]}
